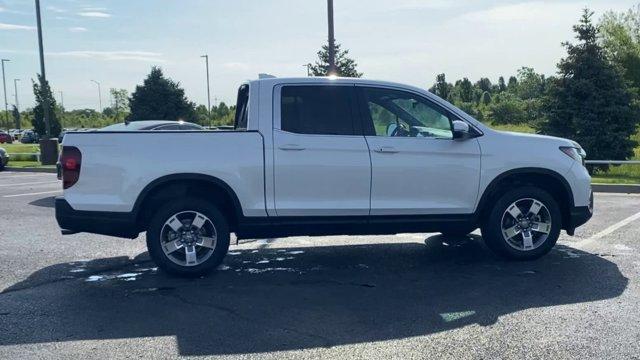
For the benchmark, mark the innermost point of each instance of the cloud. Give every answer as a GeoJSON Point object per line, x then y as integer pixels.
{"type": "Point", "coordinates": [77, 29]}
{"type": "Point", "coordinates": [145, 56]}
{"type": "Point", "coordinates": [4, 26]}
{"type": "Point", "coordinates": [2, 9]}
{"type": "Point", "coordinates": [56, 9]}
{"type": "Point", "coordinates": [236, 66]}
{"type": "Point", "coordinates": [94, 9]}
{"type": "Point", "coordinates": [95, 14]}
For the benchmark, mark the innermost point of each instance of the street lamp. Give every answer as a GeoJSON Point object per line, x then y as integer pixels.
{"type": "Point", "coordinates": [206, 59]}
{"type": "Point", "coordinates": [99, 94]}
{"type": "Point", "coordinates": [4, 85]}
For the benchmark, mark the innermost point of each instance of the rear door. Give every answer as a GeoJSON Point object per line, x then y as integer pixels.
{"type": "Point", "coordinates": [321, 159]}
{"type": "Point", "coordinates": [417, 166]}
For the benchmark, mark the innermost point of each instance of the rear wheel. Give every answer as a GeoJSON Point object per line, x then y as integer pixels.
{"type": "Point", "coordinates": [524, 224]}
{"type": "Point", "coordinates": [188, 237]}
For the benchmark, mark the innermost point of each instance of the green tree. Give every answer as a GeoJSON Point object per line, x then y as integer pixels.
{"type": "Point", "coordinates": [507, 108]}
{"type": "Point", "coordinates": [160, 98]}
{"type": "Point", "coordinates": [589, 101]}
{"type": "Point", "coordinates": [120, 105]}
{"type": "Point", "coordinates": [441, 88]}
{"type": "Point", "coordinates": [501, 84]}
{"type": "Point", "coordinates": [464, 90]}
{"type": "Point", "coordinates": [346, 66]}
{"type": "Point", "coordinates": [43, 95]}
{"type": "Point", "coordinates": [512, 85]}
{"type": "Point", "coordinates": [16, 116]}
{"type": "Point", "coordinates": [620, 35]}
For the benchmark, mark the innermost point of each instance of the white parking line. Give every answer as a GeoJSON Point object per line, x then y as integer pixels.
{"type": "Point", "coordinates": [29, 194]}
{"type": "Point", "coordinates": [586, 242]}
{"type": "Point", "coordinates": [30, 183]}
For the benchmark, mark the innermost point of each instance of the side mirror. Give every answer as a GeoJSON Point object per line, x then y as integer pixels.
{"type": "Point", "coordinates": [461, 130]}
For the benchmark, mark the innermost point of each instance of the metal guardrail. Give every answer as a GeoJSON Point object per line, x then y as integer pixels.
{"type": "Point", "coordinates": [613, 162]}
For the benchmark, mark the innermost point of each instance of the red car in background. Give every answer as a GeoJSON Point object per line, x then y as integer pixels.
{"type": "Point", "coordinates": [5, 138]}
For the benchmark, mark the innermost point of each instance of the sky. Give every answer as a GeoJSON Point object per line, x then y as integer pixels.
{"type": "Point", "coordinates": [116, 42]}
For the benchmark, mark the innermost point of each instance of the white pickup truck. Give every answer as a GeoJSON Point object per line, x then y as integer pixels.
{"type": "Point", "coordinates": [322, 156]}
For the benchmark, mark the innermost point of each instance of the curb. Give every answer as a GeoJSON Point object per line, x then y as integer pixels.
{"type": "Point", "coordinates": [32, 170]}
{"type": "Point", "coordinates": [616, 188]}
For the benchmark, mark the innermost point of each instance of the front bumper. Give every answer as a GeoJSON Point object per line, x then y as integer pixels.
{"type": "Point", "coordinates": [579, 215]}
{"type": "Point", "coordinates": [96, 222]}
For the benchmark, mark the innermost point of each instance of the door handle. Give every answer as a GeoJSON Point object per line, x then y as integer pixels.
{"type": "Point", "coordinates": [386, 150]}
{"type": "Point", "coordinates": [291, 147]}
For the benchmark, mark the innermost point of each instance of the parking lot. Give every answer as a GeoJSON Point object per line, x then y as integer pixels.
{"type": "Point", "coordinates": [403, 296]}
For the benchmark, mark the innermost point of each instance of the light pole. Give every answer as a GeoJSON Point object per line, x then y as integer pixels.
{"type": "Point", "coordinates": [43, 78]}
{"type": "Point", "coordinates": [4, 85]}
{"type": "Point", "coordinates": [61, 99]}
{"type": "Point", "coordinates": [206, 60]}
{"type": "Point", "coordinates": [332, 45]}
{"type": "Point", "coordinates": [99, 94]}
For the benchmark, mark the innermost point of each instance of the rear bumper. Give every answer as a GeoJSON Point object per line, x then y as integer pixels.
{"type": "Point", "coordinates": [579, 215]}
{"type": "Point", "coordinates": [97, 222]}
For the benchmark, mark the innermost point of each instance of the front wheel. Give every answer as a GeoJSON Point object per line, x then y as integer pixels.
{"type": "Point", "coordinates": [524, 224]}
{"type": "Point", "coordinates": [188, 237]}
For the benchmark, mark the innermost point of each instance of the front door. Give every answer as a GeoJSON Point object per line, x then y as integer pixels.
{"type": "Point", "coordinates": [321, 159]}
{"type": "Point", "coordinates": [417, 166]}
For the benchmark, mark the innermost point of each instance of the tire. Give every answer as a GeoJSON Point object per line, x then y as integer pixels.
{"type": "Point", "coordinates": [165, 235]}
{"type": "Point", "coordinates": [507, 236]}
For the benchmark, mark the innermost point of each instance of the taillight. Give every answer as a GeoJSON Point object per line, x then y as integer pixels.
{"type": "Point", "coordinates": [70, 162]}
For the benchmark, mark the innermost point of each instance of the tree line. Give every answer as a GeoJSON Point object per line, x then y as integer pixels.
{"type": "Point", "coordinates": [594, 98]}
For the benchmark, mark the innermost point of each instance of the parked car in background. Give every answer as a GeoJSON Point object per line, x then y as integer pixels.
{"type": "Point", "coordinates": [323, 156]}
{"type": "Point", "coordinates": [29, 137]}
{"type": "Point", "coordinates": [153, 125]}
{"type": "Point", "coordinates": [4, 158]}
{"type": "Point", "coordinates": [5, 138]}
{"type": "Point", "coordinates": [15, 133]}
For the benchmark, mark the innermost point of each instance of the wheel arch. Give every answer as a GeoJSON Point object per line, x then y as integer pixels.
{"type": "Point", "coordinates": [546, 179]}
{"type": "Point", "coordinates": [187, 184]}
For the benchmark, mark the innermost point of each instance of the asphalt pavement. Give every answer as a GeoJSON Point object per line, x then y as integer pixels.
{"type": "Point", "coordinates": [404, 296]}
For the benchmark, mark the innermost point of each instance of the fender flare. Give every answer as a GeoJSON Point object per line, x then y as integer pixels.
{"type": "Point", "coordinates": [187, 176]}
{"type": "Point", "coordinates": [493, 185]}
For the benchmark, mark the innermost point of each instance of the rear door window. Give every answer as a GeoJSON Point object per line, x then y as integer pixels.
{"type": "Point", "coordinates": [318, 110]}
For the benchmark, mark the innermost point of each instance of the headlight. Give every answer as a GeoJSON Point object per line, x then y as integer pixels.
{"type": "Point", "coordinates": [576, 153]}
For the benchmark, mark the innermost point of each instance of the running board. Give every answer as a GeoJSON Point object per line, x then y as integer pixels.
{"type": "Point", "coordinates": [68, 232]}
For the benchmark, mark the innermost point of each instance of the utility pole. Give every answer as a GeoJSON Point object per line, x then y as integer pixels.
{"type": "Point", "coordinates": [43, 78]}
{"type": "Point", "coordinates": [99, 95]}
{"type": "Point", "coordinates": [4, 85]}
{"type": "Point", "coordinates": [61, 99]}
{"type": "Point", "coordinates": [206, 59]}
{"type": "Point", "coordinates": [332, 40]}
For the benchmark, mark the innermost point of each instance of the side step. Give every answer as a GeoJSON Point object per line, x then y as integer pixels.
{"type": "Point", "coordinates": [68, 232]}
